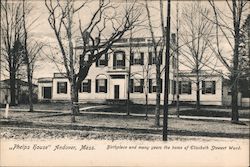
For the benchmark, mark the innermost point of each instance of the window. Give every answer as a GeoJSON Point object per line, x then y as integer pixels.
{"type": "Point", "coordinates": [85, 86]}
{"type": "Point", "coordinates": [61, 87]}
{"type": "Point", "coordinates": [136, 85]}
{"type": "Point", "coordinates": [84, 58]}
{"type": "Point", "coordinates": [153, 85]}
{"type": "Point", "coordinates": [119, 60]}
{"type": "Point", "coordinates": [208, 87]}
{"type": "Point", "coordinates": [185, 87]}
{"type": "Point", "coordinates": [137, 58]}
{"type": "Point", "coordinates": [102, 61]}
{"type": "Point", "coordinates": [152, 58]}
{"type": "Point", "coordinates": [101, 85]}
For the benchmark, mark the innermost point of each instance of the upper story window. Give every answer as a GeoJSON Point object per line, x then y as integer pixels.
{"type": "Point", "coordinates": [185, 87]}
{"type": "Point", "coordinates": [102, 61]}
{"type": "Point", "coordinates": [101, 85]}
{"type": "Point", "coordinates": [85, 86]}
{"type": "Point", "coordinates": [208, 87]}
{"type": "Point", "coordinates": [84, 58]}
{"type": "Point", "coordinates": [136, 85]}
{"type": "Point", "coordinates": [137, 58]}
{"type": "Point", "coordinates": [119, 60]}
{"type": "Point", "coordinates": [152, 59]}
{"type": "Point", "coordinates": [153, 85]}
{"type": "Point", "coordinates": [61, 87]}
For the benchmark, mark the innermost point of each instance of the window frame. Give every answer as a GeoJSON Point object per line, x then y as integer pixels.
{"type": "Point", "coordinates": [181, 87]}
{"type": "Point", "coordinates": [101, 89]}
{"type": "Point", "coordinates": [59, 89]}
{"type": "Point", "coordinates": [205, 87]}
{"type": "Point", "coordinates": [87, 87]}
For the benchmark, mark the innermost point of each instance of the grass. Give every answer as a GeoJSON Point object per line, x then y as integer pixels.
{"type": "Point", "coordinates": [184, 110]}
{"type": "Point", "coordinates": [189, 127]}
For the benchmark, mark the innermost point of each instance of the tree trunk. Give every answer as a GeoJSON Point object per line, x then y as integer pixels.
{"type": "Point", "coordinates": [158, 94]}
{"type": "Point", "coordinates": [197, 93]}
{"type": "Point", "coordinates": [234, 79]}
{"type": "Point", "coordinates": [29, 75]}
{"type": "Point", "coordinates": [12, 87]}
{"type": "Point", "coordinates": [74, 101]}
{"type": "Point", "coordinates": [146, 106]}
{"type": "Point", "coordinates": [234, 90]}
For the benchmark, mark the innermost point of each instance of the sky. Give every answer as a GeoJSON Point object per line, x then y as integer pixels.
{"type": "Point", "coordinates": [41, 30]}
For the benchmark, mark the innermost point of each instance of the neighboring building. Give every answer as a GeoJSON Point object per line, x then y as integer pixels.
{"type": "Point", "coordinates": [210, 88]}
{"type": "Point", "coordinates": [214, 89]}
{"type": "Point", "coordinates": [22, 93]}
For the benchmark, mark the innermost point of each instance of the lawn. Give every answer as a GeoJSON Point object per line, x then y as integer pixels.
{"type": "Point", "coordinates": [207, 111]}
{"type": "Point", "coordinates": [116, 122]}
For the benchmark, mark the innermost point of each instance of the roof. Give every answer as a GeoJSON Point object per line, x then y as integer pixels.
{"type": "Point", "coordinates": [18, 81]}
{"type": "Point", "coordinates": [45, 80]}
{"type": "Point", "coordinates": [201, 73]}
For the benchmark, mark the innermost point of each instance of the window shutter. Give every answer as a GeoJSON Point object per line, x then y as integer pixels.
{"type": "Point", "coordinates": [123, 59]}
{"type": "Point", "coordinates": [203, 87]}
{"type": "Point", "coordinates": [214, 87]}
{"type": "Point", "coordinates": [89, 85]}
{"type": "Point", "coordinates": [142, 58]}
{"type": "Point", "coordinates": [66, 87]}
{"type": "Point", "coordinates": [161, 85]}
{"type": "Point", "coordinates": [174, 87]}
{"type": "Point", "coordinates": [131, 85]}
{"type": "Point", "coordinates": [106, 85]}
{"type": "Point", "coordinates": [150, 85]}
{"type": "Point", "coordinates": [190, 87]}
{"type": "Point", "coordinates": [106, 59]}
{"type": "Point", "coordinates": [96, 85]}
{"type": "Point", "coordinates": [141, 85]}
{"type": "Point", "coordinates": [180, 87]}
{"type": "Point", "coordinates": [132, 59]}
{"type": "Point", "coordinates": [160, 57]}
{"type": "Point", "coordinates": [114, 60]}
{"type": "Point", "coordinates": [97, 63]}
{"type": "Point", "coordinates": [150, 58]}
{"type": "Point", "coordinates": [58, 87]}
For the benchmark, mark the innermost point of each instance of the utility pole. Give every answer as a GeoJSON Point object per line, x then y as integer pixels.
{"type": "Point", "coordinates": [129, 72]}
{"type": "Point", "coordinates": [166, 90]}
{"type": "Point", "coordinates": [177, 62]}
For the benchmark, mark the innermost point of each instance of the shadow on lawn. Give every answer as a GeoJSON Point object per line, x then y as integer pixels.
{"type": "Point", "coordinates": [206, 111]}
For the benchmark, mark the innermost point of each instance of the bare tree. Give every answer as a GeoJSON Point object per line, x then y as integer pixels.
{"type": "Point", "coordinates": [197, 29]}
{"type": "Point", "coordinates": [95, 42]}
{"type": "Point", "coordinates": [158, 46]}
{"type": "Point", "coordinates": [31, 49]}
{"type": "Point", "coordinates": [228, 26]}
{"type": "Point", "coordinates": [11, 47]}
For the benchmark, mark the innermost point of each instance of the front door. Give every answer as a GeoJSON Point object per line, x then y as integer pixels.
{"type": "Point", "coordinates": [47, 92]}
{"type": "Point", "coordinates": [116, 91]}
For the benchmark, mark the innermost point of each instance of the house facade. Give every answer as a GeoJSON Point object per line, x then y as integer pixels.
{"type": "Point", "coordinates": [108, 79]}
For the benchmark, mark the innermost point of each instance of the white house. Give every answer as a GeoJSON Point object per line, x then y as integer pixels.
{"type": "Point", "coordinates": [108, 79]}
